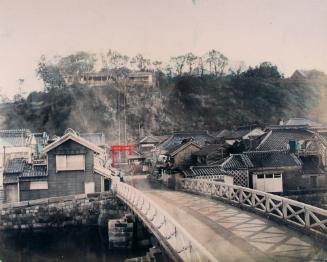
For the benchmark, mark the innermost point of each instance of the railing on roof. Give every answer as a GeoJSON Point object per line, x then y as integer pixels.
{"type": "Point", "coordinates": [176, 240]}
{"type": "Point", "coordinates": [310, 218]}
{"type": "Point", "coordinates": [39, 162]}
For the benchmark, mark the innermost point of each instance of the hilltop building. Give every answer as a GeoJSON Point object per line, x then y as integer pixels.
{"type": "Point", "coordinates": [300, 75]}
{"type": "Point", "coordinates": [107, 77]}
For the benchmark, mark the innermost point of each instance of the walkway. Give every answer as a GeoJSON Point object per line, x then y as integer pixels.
{"type": "Point", "coordinates": [229, 233]}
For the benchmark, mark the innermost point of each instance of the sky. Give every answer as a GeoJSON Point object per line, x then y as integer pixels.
{"type": "Point", "coordinates": [289, 33]}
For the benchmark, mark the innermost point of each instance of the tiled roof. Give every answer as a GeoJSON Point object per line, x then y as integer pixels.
{"type": "Point", "coordinates": [207, 170]}
{"type": "Point", "coordinates": [178, 138]}
{"type": "Point", "coordinates": [34, 171]}
{"type": "Point", "coordinates": [20, 168]}
{"type": "Point", "coordinates": [178, 147]}
{"type": "Point", "coordinates": [209, 149]}
{"type": "Point", "coordinates": [243, 131]}
{"type": "Point", "coordinates": [238, 161]}
{"type": "Point", "coordinates": [14, 166]}
{"type": "Point", "coordinates": [301, 122]}
{"type": "Point", "coordinates": [15, 137]}
{"type": "Point", "coordinates": [278, 139]}
{"type": "Point", "coordinates": [95, 138]}
{"type": "Point", "coordinates": [273, 159]}
{"type": "Point", "coordinates": [261, 159]}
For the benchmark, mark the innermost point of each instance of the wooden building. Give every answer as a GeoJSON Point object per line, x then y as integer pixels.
{"type": "Point", "coordinates": [71, 165]}
{"type": "Point", "coordinates": [266, 171]}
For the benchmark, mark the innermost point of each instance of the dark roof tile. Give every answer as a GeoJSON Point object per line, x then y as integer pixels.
{"type": "Point", "coordinates": [261, 159]}
{"type": "Point", "coordinates": [14, 166]}
{"type": "Point", "coordinates": [278, 139]}
{"type": "Point", "coordinates": [206, 170]}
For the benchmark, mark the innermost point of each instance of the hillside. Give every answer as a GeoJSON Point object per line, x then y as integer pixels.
{"type": "Point", "coordinates": [181, 103]}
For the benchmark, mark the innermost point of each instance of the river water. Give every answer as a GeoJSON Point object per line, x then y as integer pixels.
{"type": "Point", "coordinates": [65, 244]}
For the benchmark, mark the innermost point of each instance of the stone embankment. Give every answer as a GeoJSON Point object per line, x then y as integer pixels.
{"type": "Point", "coordinates": [76, 210]}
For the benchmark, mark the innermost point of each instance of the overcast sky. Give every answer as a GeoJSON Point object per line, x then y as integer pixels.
{"type": "Point", "coordinates": [289, 33]}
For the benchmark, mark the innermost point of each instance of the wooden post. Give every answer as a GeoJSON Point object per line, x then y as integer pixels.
{"type": "Point", "coordinates": [284, 209]}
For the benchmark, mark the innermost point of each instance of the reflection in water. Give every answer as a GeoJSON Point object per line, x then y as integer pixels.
{"type": "Point", "coordinates": [64, 244]}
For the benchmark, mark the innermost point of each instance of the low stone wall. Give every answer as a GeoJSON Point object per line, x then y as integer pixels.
{"type": "Point", "coordinates": [85, 209]}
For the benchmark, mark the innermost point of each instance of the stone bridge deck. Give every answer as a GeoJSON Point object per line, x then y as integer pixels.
{"type": "Point", "coordinates": [229, 233]}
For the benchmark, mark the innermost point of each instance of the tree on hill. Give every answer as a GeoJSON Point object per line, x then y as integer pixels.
{"type": "Point", "coordinates": [76, 65]}
{"type": "Point", "coordinates": [50, 74]}
{"type": "Point", "coordinates": [264, 70]}
{"type": "Point", "coordinates": [140, 62]}
{"type": "Point", "coordinates": [216, 61]}
{"type": "Point", "coordinates": [114, 60]}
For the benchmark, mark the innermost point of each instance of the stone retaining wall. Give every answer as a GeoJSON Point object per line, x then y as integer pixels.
{"type": "Point", "coordinates": [85, 209]}
{"type": "Point", "coordinates": [121, 232]}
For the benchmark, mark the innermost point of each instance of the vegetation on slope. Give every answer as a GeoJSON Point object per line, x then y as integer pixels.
{"type": "Point", "coordinates": [207, 102]}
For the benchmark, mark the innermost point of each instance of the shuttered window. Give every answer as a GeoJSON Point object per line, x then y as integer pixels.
{"type": "Point", "coordinates": [37, 185]}
{"type": "Point", "coordinates": [89, 187]}
{"type": "Point", "coordinates": [70, 162]}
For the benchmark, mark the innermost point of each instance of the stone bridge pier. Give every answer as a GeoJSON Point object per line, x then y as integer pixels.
{"type": "Point", "coordinates": [76, 210]}
{"type": "Point", "coordinates": [125, 230]}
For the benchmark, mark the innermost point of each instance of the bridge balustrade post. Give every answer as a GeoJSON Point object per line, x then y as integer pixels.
{"type": "Point", "coordinates": [267, 204]}
{"type": "Point", "coordinates": [230, 193]}
{"type": "Point", "coordinates": [307, 217]}
{"type": "Point", "coordinates": [284, 209]}
{"type": "Point", "coordinates": [240, 197]}
{"type": "Point", "coordinates": [253, 199]}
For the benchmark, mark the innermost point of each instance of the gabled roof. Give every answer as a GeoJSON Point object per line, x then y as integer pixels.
{"type": "Point", "coordinates": [73, 137]}
{"type": "Point", "coordinates": [237, 161]}
{"type": "Point", "coordinates": [95, 138]}
{"type": "Point", "coordinates": [175, 150]}
{"type": "Point", "coordinates": [278, 139]}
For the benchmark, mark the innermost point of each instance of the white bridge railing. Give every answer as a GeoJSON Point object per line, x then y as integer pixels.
{"type": "Point", "coordinates": [311, 218]}
{"type": "Point", "coordinates": [169, 231]}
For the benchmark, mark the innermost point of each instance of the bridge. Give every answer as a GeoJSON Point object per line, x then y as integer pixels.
{"type": "Point", "coordinates": [213, 221]}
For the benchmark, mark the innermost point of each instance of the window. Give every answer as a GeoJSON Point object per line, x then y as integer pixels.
{"type": "Point", "coordinates": [89, 187]}
{"type": "Point", "coordinates": [277, 175]}
{"type": "Point", "coordinates": [260, 176]}
{"type": "Point", "coordinates": [70, 162]}
{"type": "Point", "coordinates": [269, 175]}
{"type": "Point", "coordinates": [37, 185]}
